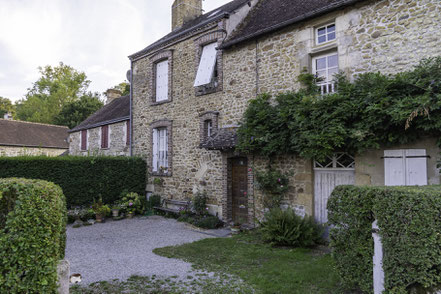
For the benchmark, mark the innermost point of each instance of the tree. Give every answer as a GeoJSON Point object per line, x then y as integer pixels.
{"type": "Point", "coordinates": [73, 113]}
{"type": "Point", "coordinates": [6, 106]}
{"type": "Point", "coordinates": [57, 87]}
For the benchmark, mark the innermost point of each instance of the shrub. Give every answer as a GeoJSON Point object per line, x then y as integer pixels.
{"type": "Point", "coordinates": [131, 202]}
{"type": "Point", "coordinates": [81, 178]}
{"type": "Point", "coordinates": [200, 203]}
{"type": "Point", "coordinates": [410, 228]}
{"type": "Point", "coordinates": [32, 235]}
{"type": "Point", "coordinates": [285, 228]}
{"type": "Point", "coordinates": [207, 222]}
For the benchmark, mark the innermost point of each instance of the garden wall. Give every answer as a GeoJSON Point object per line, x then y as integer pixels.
{"type": "Point", "coordinates": [82, 179]}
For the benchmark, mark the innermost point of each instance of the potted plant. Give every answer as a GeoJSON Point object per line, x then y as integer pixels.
{"type": "Point", "coordinates": [115, 210]}
{"type": "Point", "coordinates": [100, 210]}
{"type": "Point", "coordinates": [132, 204]}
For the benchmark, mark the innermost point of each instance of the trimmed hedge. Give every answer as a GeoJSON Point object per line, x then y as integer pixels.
{"type": "Point", "coordinates": [32, 235]}
{"type": "Point", "coordinates": [82, 179]}
{"type": "Point", "coordinates": [410, 227]}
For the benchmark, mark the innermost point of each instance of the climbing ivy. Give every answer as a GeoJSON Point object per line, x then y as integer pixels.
{"type": "Point", "coordinates": [372, 110]}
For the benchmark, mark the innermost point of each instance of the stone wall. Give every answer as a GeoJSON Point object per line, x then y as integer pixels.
{"type": "Point", "coordinates": [117, 141]}
{"type": "Point", "coordinates": [387, 36]}
{"type": "Point", "coordinates": [12, 151]}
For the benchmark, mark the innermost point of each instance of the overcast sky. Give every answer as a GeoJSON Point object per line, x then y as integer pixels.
{"type": "Point", "coordinates": [94, 36]}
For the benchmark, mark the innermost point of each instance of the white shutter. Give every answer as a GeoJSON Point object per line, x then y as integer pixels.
{"type": "Point", "coordinates": [394, 168]}
{"type": "Point", "coordinates": [416, 171]}
{"type": "Point", "coordinates": [162, 80]}
{"type": "Point", "coordinates": [206, 65]}
{"type": "Point", "coordinates": [165, 148]}
{"type": "Point", "coordinates": [155, 150]}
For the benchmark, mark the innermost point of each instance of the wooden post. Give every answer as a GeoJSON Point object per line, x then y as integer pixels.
{"type": "Point", "coordinates": [378, 260]}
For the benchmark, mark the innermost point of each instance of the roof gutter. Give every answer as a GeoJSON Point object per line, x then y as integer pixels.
{"type": "Point", "coordinates": [107, 122]}
{"type": "Point", "coordinates": [33, 146]}
{"type": "Point", "coordinates": [303, 17]}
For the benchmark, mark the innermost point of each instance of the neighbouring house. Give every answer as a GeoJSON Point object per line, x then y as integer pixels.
{"type": "Point", "coordinates": [19, 138]}
{"type": "Point", "coordinates": [106, 132]}
{"type": "Point", "coordinates": [191, 88]}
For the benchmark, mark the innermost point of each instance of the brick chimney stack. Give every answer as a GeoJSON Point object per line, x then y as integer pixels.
{"type": "Point", "coordinates": [112, 94]}
{"type": "Point", "coordinates": [184, 11]}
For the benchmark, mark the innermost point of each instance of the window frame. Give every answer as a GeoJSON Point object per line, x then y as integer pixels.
{"type": "Point", "coordinates": [167, 126]}
{"type": "Point", "coordinates": [105, 144]}
{"type": "Point", "coordinates": [328, 82]}
{"type": "Point", "coordinates": [156, 59]}
{"type": "Point", "coordinates": [316, 31]}
{"type": "Point", "coordinates": [212, 116]}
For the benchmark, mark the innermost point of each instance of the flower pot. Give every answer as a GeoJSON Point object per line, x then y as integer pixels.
{"type": "Point", "coordinates": [99, 218]}
{"type": "Point", "coordinates": [115, 212]}
{"type": "Point", "coordinates": [130, 214]}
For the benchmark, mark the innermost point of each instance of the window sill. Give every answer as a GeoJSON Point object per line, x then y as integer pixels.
{"type": "Point", "coordinates": [324, 47]}
{"type": "Point", "coordinates": [160, 102]}
{"type": "Point", "coordinates": [159, 174]}
{"type": "Point", "coordinates": [207, 89]}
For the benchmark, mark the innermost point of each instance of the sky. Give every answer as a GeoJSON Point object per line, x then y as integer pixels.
{"type": "Point", "coordinates": [93, 36]}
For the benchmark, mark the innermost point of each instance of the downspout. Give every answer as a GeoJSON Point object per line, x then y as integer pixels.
{"type": "Point", "coordinates": [131, 113]}
{"type": "Point", "coordinates": [257, 67]}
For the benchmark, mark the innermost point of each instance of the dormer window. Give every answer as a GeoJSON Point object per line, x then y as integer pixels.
{"type": "Point", "coordinates": [325, 34]}
{"type": "Point", "coordinates": [207, 66]}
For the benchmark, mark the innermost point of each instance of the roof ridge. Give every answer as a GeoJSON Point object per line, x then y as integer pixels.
{"type": "Point", "coordinates": [34, 123]}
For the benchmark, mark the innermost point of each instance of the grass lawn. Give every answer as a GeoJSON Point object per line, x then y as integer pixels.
{"type": "Point", "coordinates": [265, 268]}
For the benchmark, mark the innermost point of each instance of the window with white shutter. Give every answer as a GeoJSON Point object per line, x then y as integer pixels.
{"type": "Point", "coordinates": [160, 150]}
{"type": "Point", "coordinates": [207, 65]}
{"type": "Point", "coordinates": [162, 81]}
{"type": "Point", "coordinates": [405, 167]}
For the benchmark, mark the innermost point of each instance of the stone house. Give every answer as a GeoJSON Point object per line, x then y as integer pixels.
{"type": "Point", "coordinates": [191, 88]}
{"type": "Point", "coordinates": [18, 138]}
{"type": "Point", "coordinates": [106, 132]}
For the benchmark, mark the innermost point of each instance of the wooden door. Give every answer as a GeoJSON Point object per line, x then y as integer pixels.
{"type": "Point", "coordinates": [239, 190]}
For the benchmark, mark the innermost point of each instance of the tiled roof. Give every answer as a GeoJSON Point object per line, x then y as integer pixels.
{"type": "Point", "coordinates": [271, 15]}
{"type": "Point", "coordinates": [192, 25]}
{"type": "Point", "coordinates": [28, 134]}
{"type": "Point", "coordinates": [223, 139]}
{"type": "Point", "coordinates": [115, 111]}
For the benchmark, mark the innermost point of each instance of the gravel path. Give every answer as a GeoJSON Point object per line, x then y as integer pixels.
{"type": "Point", "coordinates": [120, 249]}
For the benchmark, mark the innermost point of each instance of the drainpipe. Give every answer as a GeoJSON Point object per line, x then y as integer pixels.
{"type": "Point", "coordinates": [131, 113]}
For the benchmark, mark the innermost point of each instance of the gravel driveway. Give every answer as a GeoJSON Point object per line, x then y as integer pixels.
{"type": "Point", "coordinates": [120, 249]}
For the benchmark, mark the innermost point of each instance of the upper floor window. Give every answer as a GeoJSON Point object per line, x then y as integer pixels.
{"type": "Point", "coordinates": [162, 80]}
{"type": "Point", "coordinates": [83, 140]}
{"type": "Point", "coordinates": [207, 66]}
{"type": "Point", "coordinates": [325, 67]}
{"type": "Point", "coordinates": [208, 128]}
{"type": "Point", "coordinates": [105, 137]}
{"type": "Point", "coordinates": [325, 34]}
{"type": "Point", "coordinates": [208, 125]}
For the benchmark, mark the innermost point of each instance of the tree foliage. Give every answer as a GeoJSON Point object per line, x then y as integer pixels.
{"type": "Point", "coordinates": [373, 110]}
{"type": "Point", "coordinates": [73, 113]}
{"type": "Point", "coordinates": [6, 106]}
{"type": "Point", "coordinates": [57, 87]}
{"type": "Point", "coordinates": [124, 87]}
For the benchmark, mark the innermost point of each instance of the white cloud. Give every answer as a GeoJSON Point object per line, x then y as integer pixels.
{"type": "Point", "coordinates": [92, 36]}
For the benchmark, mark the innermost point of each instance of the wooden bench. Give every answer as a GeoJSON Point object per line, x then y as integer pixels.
{"type": "Point", "coordinates": [173, 206]}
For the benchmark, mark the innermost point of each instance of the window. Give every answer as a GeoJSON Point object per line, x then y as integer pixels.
{"type": "Point", "coordinates": [208, 125]}
{"type": "Point", "coordinates": [160, 150]}
{"type": "Point", "coordinates": [208, 128]}
{"type": "Point", "coordinates": [105, 137]}
{"type": "Point", "coordinates": [325, 67]}
{"type": "Point", "coordinates": [83, 140]}
{"type": "Point", "coordinates": [405, 167]}
{"type": "Point", "coordinates": [207, 66]}
{"type": "Point", "coordinates": [162, 81]}
{"type": "Point", "coordinates": [325, 34]}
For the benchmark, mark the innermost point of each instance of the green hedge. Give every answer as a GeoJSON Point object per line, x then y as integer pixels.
{"type": "Point", "coordinates": [410, 226]}
{"type": "Point", "coordinates": [81, 178]}
{"type": "Point", "coordinates": [32, 235]}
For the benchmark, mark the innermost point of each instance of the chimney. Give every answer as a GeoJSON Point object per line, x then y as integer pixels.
{"type": "Point", "coordinates": [112, 94]}
{"type": "Point", "coordinates": [184, 11]}
{"type": "Point", "coordinates": [8, 116]}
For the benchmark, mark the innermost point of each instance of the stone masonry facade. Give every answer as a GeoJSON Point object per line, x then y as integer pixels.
{"type": "Point", "coordinates": [118, 145]}
{"type": "Point", "coordinates": [387, 36]}
{"type": "Point", "coordinates": [12, 151]}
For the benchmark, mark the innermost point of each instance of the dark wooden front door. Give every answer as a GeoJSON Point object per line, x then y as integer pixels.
{"type": "Point", "coordinates": [239, 187]}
